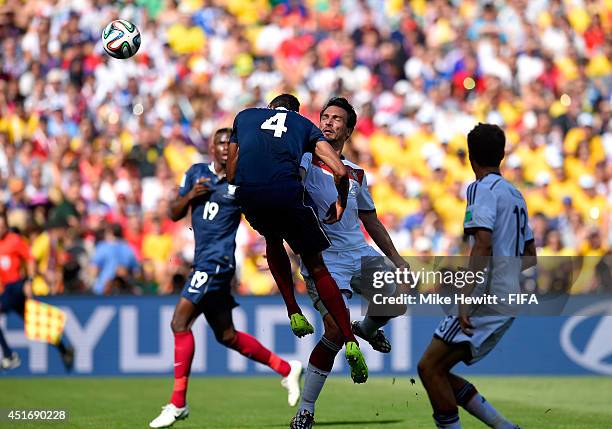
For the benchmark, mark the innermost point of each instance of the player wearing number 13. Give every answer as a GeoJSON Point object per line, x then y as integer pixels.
{"type": "Point", "coordinates": [496, 216]}
{"type": "Point", "coordinates": [215, 216]}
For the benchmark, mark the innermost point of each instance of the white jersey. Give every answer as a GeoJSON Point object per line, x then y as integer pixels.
{"type": "Point", "coordinates": [495, 204]}
{"type": "Point", "coordinates": [319, 182]}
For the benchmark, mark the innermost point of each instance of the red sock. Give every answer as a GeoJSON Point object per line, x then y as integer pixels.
{"type": "Point", "coordinates": [280, 267]}
{"type": "Point", "coordinates": [248, 346]}
{"type": "Point", "coordinates": [332, 300]}
{"type": "Point", "coordinates": [323, 354]}
{"type": "Point", "coordinates": [184, 347]}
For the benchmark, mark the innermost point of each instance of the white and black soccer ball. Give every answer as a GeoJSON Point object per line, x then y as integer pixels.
{"type": "Point", "coordinates": [121, 39]}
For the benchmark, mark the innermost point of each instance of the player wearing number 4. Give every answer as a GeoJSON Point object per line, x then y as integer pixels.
{"type": "Point", "coordinates": [496, 216]}
{"type": "Point", "coordinates": [215, 216]}
{"type": "Point", "coordinates": [266, 148]}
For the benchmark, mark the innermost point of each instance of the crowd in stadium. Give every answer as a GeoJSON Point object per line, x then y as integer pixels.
{"type": "Point", "coordinates": [92, 149]}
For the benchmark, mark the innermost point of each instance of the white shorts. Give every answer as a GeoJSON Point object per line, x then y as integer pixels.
{"type": "Point", "coordinates": [345, 268]}
{"type": "Point", "coordinates": [487, 332]}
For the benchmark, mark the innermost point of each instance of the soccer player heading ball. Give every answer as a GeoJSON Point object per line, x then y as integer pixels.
{"type": "Point", "coordinates": [266, 149]}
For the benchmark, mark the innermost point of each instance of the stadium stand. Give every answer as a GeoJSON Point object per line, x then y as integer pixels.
{"type": "Point", "coordinates": [88, 142]}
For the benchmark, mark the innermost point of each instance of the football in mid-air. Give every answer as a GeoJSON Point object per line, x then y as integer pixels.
{"type": "Point", "coordinates": [121, 39]}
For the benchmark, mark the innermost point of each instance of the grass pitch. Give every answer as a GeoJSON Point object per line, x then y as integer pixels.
{"type": "Point", "coordinates": [260, 402]}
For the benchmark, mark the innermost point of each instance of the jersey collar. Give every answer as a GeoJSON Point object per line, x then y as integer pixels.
{"type": "Point", "coordinates": [495, 173]}
{"type": "Point", "coordinates": [212, 169]}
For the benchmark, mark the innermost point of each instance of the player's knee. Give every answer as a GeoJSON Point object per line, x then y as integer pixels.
{"type": "Point", "coordinates": [398, 310]}
{"type": "Point", "coordinates": [226, 336]}
{"type": "Point", "coordinates": [332, 332]}
{"type": "Point", "coordinates": [425, 368]}
{"type": "Point", "coordinates": [179, 324]}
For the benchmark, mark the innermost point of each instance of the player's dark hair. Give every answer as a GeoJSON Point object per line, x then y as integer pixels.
{"type": "Point", "coordinates": [486, 144]}
{"type": "Point", "coordinates": [341, 102]}
{"type": "Point", "coordinates": [287, 101]}
{"type": "Point", "coordinates": [223, 130]}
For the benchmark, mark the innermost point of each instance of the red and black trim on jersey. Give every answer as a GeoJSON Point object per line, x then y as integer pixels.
{"type": "Point", "coordinates": [355, 174]}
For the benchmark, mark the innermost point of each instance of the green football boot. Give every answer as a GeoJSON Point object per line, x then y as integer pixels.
{"type": "Point", "coordinates": [300, 325]}
{"type": "Point", "coordinates": [355, 359]}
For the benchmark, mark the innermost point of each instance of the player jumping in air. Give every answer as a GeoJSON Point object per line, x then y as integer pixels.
{"type": "Point", "coordinates": [496, 217]}
{"type": "Point", "coordinates": [14, 257]}
{"type": "Point", "coordinates": [265, 153]}
{"type": "Point", "coordinates": [343, 257]}
{"type": "Point", "coordinates": [215, 216]}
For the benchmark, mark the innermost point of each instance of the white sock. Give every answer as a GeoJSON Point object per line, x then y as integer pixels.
{"type": "Point", "coordinates": [482, 409]}
{"type": "Point", "coordinates": [447, 421]}
{"type": "Point", "coordinates": [369, 326]}
{"type": "Point", "coordinates": [313, 384]}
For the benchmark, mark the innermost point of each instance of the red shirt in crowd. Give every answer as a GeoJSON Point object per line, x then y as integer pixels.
{"type": "Point", "coordinates": [13, 250]}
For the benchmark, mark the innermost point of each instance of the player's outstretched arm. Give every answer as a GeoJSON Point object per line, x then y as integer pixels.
{"type": "Point", "coordinates": [381, 237]}
{"type": "Point", "coordinates": [327, 154]}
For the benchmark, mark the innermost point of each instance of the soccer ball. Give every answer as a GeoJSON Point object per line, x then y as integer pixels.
{"type": "Point", "coordinates": [121, 39]}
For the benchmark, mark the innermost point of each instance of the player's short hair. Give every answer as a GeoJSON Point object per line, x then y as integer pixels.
{"type": "Point", "coordinates": [341, 102]}
{"type": "Point", "coordinates": [287, 101]}
{"type": "Point", "coordinates": [225, 130]}
{"type": "Point", "coordinates": [486, 144]}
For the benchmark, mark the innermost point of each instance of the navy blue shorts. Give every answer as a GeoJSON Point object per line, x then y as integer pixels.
{"type": "Point", "coordinates": [284, 211]}
{"type": "Point", "coordinates": [202, 285]}
{"type": "Point", "coordinates": [13, 299]}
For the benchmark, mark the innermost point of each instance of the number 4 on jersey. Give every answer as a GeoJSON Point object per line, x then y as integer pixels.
{"type": "Point", "coordinates": [276, 123]}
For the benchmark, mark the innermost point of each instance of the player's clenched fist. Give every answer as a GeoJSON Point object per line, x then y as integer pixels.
{"type": "Point", "coordinates": [200, 189]}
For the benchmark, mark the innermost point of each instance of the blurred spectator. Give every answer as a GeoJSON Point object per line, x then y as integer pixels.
{"type": "Point", "coordinates": [47, 250]}
{"type": "Point", "coordinates": [74, 263]}
{"type": "Point", "coordinates": [114, 264]}
{"type": "Point", "coordinates": [156, 254]}
{"type": "Point", "coordinates": [66, 213]}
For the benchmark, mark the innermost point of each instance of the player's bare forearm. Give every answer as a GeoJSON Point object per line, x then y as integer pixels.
{"type": "Point", "coordinates": [479, 256]}
{"type": "Point", "coordinates": [381, 237]}
{"type": "Point", "coordinates": [328, 155]}
{"type": "Point", "coordinates": [179, 208]}
{"type": "Point", "coordinates": [479, 260]}
{"type": "Point", "coordinates": [232, 162]}
{"type": "Point", "coordinates": [530, 258]}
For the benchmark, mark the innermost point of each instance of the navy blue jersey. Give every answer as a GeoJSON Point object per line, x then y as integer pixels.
{"type": "Point", "coordinates": [272, 142]}
{"type": "Point", "coordinates": [214, 217]}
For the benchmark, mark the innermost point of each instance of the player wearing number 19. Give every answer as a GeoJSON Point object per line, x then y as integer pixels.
{"type": "Point", "coordinates": [266, 148]}
{"type": "Point", "coordinates": [215, 216]}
